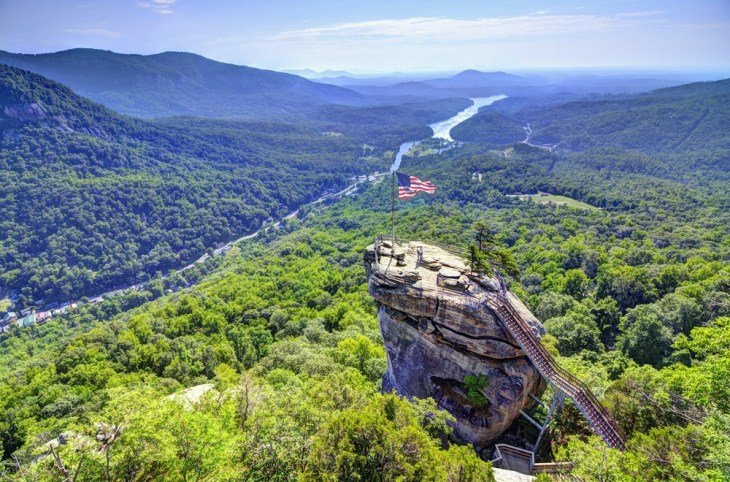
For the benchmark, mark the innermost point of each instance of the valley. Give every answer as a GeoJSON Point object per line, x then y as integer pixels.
{"type": "Point", "coordinates": [44, 313]}
{"type": "Point", "coordinates": [442, 129]}
{"type": "Point", "coordinates": [215, 224]}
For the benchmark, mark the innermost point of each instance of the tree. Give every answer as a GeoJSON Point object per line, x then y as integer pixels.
{"type": "Point", "coordinates": [575, 283]}
{"type": "Point", "coordinates": [260, 338]}
{"type": "Point", "coordinates": [575, 332]}
{"type": "Point", "coordinates": [552, 304]}
{"type": "Point", "coordinates": [646, 340]}
{"type": "Point", "coordinates": [384, 440]}
{"type": "Point", "coordinates": [358, 352]}
{"type": "Point", "coordinates": [486, 254]}
{"type": "Point", "coordinates": [628, 285]}
{"type": "Point", "coordinates": [463, 465]}
{"type": "Point", "coordinates": [475, 386]}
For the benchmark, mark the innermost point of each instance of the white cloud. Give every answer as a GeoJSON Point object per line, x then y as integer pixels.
{"type": "Point", "coordinates": [94, 31]}
{"type": "Point", "coordinates": [163, 7]}
{"type": "Point", "coordinates": [650, 13]}
{"type": "Point", "coordinates": [450, 29]}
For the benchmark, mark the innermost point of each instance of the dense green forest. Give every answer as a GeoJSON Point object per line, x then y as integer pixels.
{"type": "Point", "coordinates": [489, 126]}
{"type": "Point", "coordinates": [181, 83]}
{"type": "Point", "coordinates": [685, 118]}
{"type": "Point", "coordinates": [635, 299]}
{"type": "Point", "coordinates": [93, 200]}
{"type": "Point", "coordinates": [270, 366]}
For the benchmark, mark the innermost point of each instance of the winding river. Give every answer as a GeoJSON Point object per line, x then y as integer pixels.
{"type": "Point", "coordinates": [442, 129]}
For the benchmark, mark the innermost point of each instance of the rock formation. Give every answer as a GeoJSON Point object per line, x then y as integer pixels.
{"type": "Point", "coordinates": [30, 112]}
{"type": "Point", "coordinates": [438, 331]}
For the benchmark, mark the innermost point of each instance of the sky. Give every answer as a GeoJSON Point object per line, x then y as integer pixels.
{"type": "Point", "coordinates": [379, 36]}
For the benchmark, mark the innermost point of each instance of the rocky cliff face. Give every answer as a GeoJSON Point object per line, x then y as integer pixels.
{"type": "Point", "coordinates": [438, 331]}
{"type": "Point", "coordinates": [14, 116]}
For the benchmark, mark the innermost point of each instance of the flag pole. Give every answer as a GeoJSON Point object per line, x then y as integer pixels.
{"type": "Point", "coordinates": [392, 209]}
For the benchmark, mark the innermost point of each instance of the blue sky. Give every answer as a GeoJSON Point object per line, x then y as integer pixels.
{"type": "Point", "coordinates": [386, 35]}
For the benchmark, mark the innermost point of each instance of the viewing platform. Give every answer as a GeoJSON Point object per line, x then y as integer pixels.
{"type": "Point", "coordinates": [441, 322]}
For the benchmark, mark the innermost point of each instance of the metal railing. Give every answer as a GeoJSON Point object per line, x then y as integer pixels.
{"type": "Point", "coordinates": [448, 248]}
{"type": "Point", "coordinates": [597, 416]}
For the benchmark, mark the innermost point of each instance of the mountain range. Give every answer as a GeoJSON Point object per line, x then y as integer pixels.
{"type": "Point", "coordinates": [179, 83]}
{"type": "Point", "coordinates": [263, 360]}
{"type": "Point", "coordinates": [93, 199]}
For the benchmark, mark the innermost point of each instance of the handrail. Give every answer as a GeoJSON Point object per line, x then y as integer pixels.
{"type": "Point", "coordinates": [449, 249]}
{"type": "Point", "coordinates": [598, 418]}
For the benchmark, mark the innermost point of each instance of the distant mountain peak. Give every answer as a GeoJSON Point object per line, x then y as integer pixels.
{"type": "Point", "coordinates": [181, 83]}
{"type": "Point", "coordinates": [476, 81]}
{"type": "Point", "coordinates": [478, 73]}
{"type": "Point", "coordinates": [467, 72]}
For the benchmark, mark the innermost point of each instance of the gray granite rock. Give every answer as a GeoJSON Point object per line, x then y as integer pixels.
{"type": "Point", "coordinates": [437, 330]}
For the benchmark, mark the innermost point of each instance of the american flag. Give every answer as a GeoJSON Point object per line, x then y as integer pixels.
{"type": "Point", "coordinates": [409, 186]}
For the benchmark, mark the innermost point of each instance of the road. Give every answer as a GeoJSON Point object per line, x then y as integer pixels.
{"type": "Point", "coordinates": [440, 130]}
{"type": "Point", "coordinates": [349, 190]}
{"type": "Point", "coordinates": [528, 134]}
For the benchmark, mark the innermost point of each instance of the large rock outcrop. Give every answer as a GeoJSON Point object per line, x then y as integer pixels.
{"type": "Point", "coordinates": [438, 330]}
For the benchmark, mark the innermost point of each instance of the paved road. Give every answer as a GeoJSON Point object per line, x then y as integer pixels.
{"type": "Point", "coordinates": [349, 190]}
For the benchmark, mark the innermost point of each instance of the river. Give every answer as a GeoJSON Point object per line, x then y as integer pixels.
{"type": "Point", "coordinates": [442, 129]}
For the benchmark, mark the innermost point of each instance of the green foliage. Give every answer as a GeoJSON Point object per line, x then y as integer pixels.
{"type": "Point", "coordinates": [384, 441]}
{"type": "Point", "coordinates": [100, 200]}
{"type": "Point", "coordinates": [490, 127]}
{"type": "Point", "coordinates": [677, 118]}
{"type": "Point", "coordinates": [575, 332]}
{"type": "Point", "coordinates": [486, 253]}
{"type": "Point", "coordinates": [275, 397]}
{"type": "Point", "coordinates": [575, 283]}
{"type": "Point", "coordinates": [283, 338]}
{"type": "Point", "coordinates": [646, 339]}
{"type": "Point", "coordinates": [475, 386]}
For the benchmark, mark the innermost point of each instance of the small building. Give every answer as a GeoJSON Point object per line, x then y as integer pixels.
{"type": "Point", "coordinates": [27, 320]}
{"type": "Point", "coordinates": [222, 250]}
{"type": "Point", "coordinates": [42, 316]}
{"type": "Point", "coordinates": [513, 458]}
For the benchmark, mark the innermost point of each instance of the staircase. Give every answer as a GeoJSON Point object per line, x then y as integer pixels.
{"type": "Point", "coordinates": [598, 418]}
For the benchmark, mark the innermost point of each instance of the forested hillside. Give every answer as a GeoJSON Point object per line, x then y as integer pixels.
{"type": "Point", "coordinates": [489, 126]}
{"type": "Point", "coordinates": [180, 83]}
{"type": "Point", "coordinates": [92, 199]}
{"type": "Point", "coordinates": [676, 119]}
{"type": "Point", "coordinates": [635, 299]}
{"type": "Point", "coordinates": [270, 366]}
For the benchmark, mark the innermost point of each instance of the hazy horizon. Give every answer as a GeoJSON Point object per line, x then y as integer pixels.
{"type": "Point", "coordinates": [388, 37]}
{"type": "Point", "coordinates": [558, 72]}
